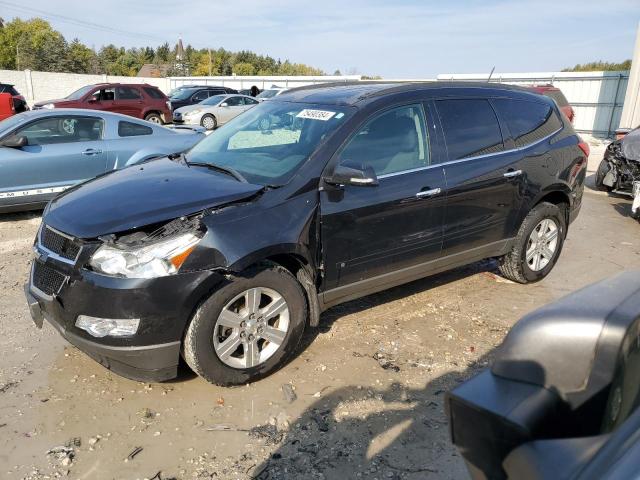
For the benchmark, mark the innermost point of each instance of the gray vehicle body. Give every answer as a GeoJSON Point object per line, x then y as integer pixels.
{"type": "Point", "coordinates": [60, 157]}
{"type": "Point", "coordinates": [226, 108]}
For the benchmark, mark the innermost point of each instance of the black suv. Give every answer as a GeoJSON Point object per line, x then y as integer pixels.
{"type": "Point", "coordinates": [224, 255]}
{"type": "Point", "coordinates": [183, 96]}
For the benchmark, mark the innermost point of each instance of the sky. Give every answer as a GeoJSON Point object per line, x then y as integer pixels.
{"type": "Point", "coordinates": [391, 38]}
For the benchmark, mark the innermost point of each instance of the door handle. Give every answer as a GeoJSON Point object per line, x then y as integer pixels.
{"type": "Point", "coordinates": [91, 151]}
{"type": "Point", "coordinates": [428, 193]}
{"type": "Point", "coordinates": [512, 173]}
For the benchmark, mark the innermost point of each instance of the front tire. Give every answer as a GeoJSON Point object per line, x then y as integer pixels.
{"type": "Point", "coordinates": [248, 328]}
{"type": "Point", "coordinates": [209, 122]}
{"type": "Point", "coordinates": [602, 171]}
{"type": "Point", "coordinates": [537, 245]}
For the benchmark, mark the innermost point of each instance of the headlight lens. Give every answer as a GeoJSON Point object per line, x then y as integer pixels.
{"type": "Point", "coordinates": [48, 105]}
{"type": "Point", "coordinates": [157, 259]}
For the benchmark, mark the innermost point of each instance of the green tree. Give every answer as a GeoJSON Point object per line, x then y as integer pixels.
{"type": "Point", "coordinates": [81, 59]}
{"type": "Point", "coordinates": [32, 44]}
{"type": "Point", "coordinates": [600, 66]}
{"type": "Point", "coordinates": [244, 68]}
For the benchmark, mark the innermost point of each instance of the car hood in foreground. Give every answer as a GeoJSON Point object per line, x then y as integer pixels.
{"type": "Point", "coordinates": [141, 195]}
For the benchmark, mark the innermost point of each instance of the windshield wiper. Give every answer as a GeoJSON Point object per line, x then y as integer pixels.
{"type": "Point", "coordinates": [178, 156]}
{"type": "Point", "coordinates": [227, 170]}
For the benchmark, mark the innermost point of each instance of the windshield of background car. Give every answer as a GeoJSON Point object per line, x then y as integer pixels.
{"type": "Point", "coordinates": [268, 94]}
{"type": "Point", "coordinates": [268, 143]}
{"type": "Point", "coordinates": [8, 123]}
{"type": "Point", "coordinates": [78, 94]}
{"type": "Point", "coordinates": [212, 100]}
{"type": "Point", "coordinates": [183, 94]}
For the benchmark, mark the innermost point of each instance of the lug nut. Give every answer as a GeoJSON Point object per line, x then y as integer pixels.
{"type": "Point", "coordinates": [251, 337]}
{"type": "Point", "coordinates": [243, 334]}
{"type": "Point", "coordinates": [243, 324]}
{"type": "Point", "coordinates": [260, 330]}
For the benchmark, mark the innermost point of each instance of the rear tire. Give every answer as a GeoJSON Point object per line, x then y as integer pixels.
{"type": "Point", "coordinates": [602, 171]}
{"type": "Point", "coordinates": [153, 118]}
{"type": "Point", "coordinates": [209, 122]}
{"type": "Point", "coordinates": [231, 312]}
{"type": "Point", "coordinates": [534, 254]}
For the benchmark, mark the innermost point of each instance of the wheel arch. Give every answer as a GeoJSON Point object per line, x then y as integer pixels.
{"type": "Point", "coordinates": [559, 195]}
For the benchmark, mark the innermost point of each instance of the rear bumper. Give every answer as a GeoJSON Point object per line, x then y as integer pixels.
{"type": "Point", "coordinates": [148, 363]}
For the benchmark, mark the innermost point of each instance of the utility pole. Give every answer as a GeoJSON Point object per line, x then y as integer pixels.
{"type": "Point", "coordinates": [210, 63]}
{"type": "Point", "coordinates": [17, 56]}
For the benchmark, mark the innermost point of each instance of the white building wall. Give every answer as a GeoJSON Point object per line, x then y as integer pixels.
{"type": "Point", "coordinates": [597, 97]}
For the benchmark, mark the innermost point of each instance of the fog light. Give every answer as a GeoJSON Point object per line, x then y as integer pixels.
{"type": "Point", "coordinates": [114, 327]}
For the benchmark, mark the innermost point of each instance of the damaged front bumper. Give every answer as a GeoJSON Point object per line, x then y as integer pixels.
{"type": "Point", "coordinates": [164, 306]}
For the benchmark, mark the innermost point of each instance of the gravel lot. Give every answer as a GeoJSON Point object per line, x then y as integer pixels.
{"type": "Point", "coordinates": [368, 385]}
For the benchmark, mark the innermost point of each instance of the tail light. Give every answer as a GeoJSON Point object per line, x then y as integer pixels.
{"type": "Point", "coordinates": [584, 146]}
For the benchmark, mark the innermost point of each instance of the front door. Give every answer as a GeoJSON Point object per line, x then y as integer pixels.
{"type": "Point", "coordinates": [235, 106]}
{"type": "Point", "coordinates": [369, 232]}
{"type": "Point", "coordinates": [61, 151]}
{"type": "Point", "coordinates": [484, 179]}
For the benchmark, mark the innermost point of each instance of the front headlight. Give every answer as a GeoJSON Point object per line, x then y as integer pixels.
{"type": "Point", "coordinates": [157, 259]}
{"type": "Point", "coordinates": [48, 105]}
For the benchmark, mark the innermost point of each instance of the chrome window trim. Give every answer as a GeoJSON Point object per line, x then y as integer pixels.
{"type": "Point", "coordinates": [54, 255]}
{"type": "Point", "coordinates": [460, 160]}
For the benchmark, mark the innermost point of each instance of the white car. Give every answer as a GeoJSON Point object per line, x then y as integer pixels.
{"type": "Point", "coordinates": [214, 111]}
{"type": "Point", "coordinates": [270, 93]}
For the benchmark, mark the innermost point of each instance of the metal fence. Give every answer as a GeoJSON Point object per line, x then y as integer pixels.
{"type": "Point", "coordinates": [262, 82]}
{"type": "Point", "coordinates": [597, 97]}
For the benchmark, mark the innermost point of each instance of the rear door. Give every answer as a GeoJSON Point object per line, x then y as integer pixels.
{"type": "Point", "coordinates": [370, 231]}
{"type": "Point", "coordinates": [129, 101]}
{"type": "Point", "coordinates": [61, 151]}
{"type": "Point", "coordinates": [484, 178]}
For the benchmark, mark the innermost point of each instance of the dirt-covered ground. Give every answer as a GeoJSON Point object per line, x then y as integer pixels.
{"type": "Point", "coordinates": [368, 385]}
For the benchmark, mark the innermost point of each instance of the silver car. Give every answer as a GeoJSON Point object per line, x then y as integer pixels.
{"type": "Point", "coordinates": [214, 111]}
{"type": "Point", "coordinates": [44, 152]}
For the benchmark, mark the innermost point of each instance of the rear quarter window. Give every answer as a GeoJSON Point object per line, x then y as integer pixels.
{"type": "Point", "coordinates": [154, 93]}
{"type": "Point", "coordinates": [130, 129]}
{"type": "Point", "coordinates": [528, 122]}
{"type": "Point", "coordinates": [470, 128]}
{"type": "Point", "coordinates": [558, 96]}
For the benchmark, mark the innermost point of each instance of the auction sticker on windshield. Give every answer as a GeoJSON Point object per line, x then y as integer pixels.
{"type": "Point", "coordinates": [316, 114]}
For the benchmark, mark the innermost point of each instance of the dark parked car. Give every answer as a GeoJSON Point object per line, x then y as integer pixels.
{"type": "Point", "coordinates": [227, 253]}
{"type": "Point", "coordinates": [137, 100]}
{"type": "Point", "coordinates": [19, 103]}
{"type": "Point", "coordinates": [560, 401]}
{"type": "Point", "coordinates": [555, 93]}
{"type": "Point", "coordinates": [182, 97]}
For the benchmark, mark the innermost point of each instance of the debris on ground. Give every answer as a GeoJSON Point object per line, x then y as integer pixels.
{"type": "Point", "coordinates": [385, 362]}
{"type": "Point", "coordinates": [63, 454]}
{"type": "Point", "coordinates": [268, 433]}
{"type": "Point", "coordinates": [133, 454]}
{"type": "Point", "coordinates": [289, 393]}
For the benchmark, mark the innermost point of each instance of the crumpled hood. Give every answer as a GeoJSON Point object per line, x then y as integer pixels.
{"type": "Point", "coordinates": [630, 145]}
{"type": "Point", "coordinates": [141, 195]}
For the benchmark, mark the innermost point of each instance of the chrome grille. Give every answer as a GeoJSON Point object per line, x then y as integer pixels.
{"type": "Point", "coordinates": [59, 244]}
{"type": "Point", "coordinates": [46, 279]}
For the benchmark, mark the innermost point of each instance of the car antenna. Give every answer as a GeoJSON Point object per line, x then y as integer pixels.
{"type": "Point", "coordinates": [490, 75]}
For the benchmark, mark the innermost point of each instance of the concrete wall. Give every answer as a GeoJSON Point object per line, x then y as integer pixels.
{"type": "Point", "coordinates": [261, 82]}
{"type": "Point", "coordinates": [631, 112]}
{"type": "Point", "coordinates": [597, 97]}
{"type": "Point", "coordinates": [38, 86]}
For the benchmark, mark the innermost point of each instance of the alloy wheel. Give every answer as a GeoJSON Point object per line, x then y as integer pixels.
{"type": "Point", "coordinates": [542, 244]}
{"type": "Point", "coordinates": [208, 123]}
{"type": "Point", "coordinates": [251, 328]}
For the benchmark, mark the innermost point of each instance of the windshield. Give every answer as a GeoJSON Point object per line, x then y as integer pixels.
{"type": "Point", "coordinates": [8, 123]}
{"type": "Point", "coordinates": [183, 94]}
{"type": "Point", "coordinates": [268, 94]}
{"type": "Point", "coordinates": [78, 94]}
{"type": "Point", "coordinates": [268, 143]}
{"type": "Point", "coordinates": [213, 100]}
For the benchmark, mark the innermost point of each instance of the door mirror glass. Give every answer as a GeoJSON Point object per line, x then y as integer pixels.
{"type": "Point", "coordinates": [224, 104]}
{"type": "Point", "coordinates": [15, 141]}
{"type": "Point", "coordinates": [344, 175]}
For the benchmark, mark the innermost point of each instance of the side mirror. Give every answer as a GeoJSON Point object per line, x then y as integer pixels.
{"type": "Point", "coordinates": [344, 175]}
{"type": "Point", "coordinates": [92, 100]}
{"type": "Point", "coordinates": [224, 104]}
{"type": "Point", "coordinates": [15, 142]}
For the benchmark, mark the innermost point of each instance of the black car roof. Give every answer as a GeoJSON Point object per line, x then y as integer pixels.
{"type": "Point", "coordinates": [352, 93]}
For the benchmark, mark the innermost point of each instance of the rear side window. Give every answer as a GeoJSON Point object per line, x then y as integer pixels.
{"type": "Point", "coordinates": [128, 93]}
{"type": "Point", "coordinates": [130, 129]}
{"type": "Point", "coordinates": [154, 93]}
{"type": "Point", "coordinates": [528, 122]}
{"type": "Point", "coordinates": [470, 128]}
{"type": "Point", "coordinates": [558, 96]}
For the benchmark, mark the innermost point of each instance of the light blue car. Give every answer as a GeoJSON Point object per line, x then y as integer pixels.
{"type": "Point", "coordinates": [44, 152]}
